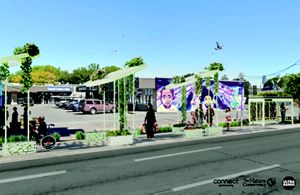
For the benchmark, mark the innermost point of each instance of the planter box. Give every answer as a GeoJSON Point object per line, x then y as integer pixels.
{"type": "Point", "coordinates": [95, 137]}
{"type": "Point", "coordinates": [193, 133]}
{"type": "Point", "coordinates": [177, 130]}
{"type": "Point", "coordinates": [213, 131]}
{"type": "Point", "coordinates": [18, 148]}
{"type": "Point", "coordinates": [120, 140]}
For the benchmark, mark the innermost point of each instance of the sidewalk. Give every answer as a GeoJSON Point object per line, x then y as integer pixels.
{"type": "Point", "coordinates": [69, 146]}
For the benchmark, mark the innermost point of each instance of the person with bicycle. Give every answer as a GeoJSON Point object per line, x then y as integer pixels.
{"type": "Point", "coordinates": [41, 131]}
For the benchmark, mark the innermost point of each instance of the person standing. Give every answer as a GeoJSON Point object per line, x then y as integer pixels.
{"type": "Point", "coordinates": [210, 113]}
{"type": "Point", "coordinates": [282, 112]}
{"type": "Point", "coordinates": [228, 118]}
{"type": "Point", "coordinates": [200, 115]}
{"type": "Point", "coordinates": [150, 121]}
{"type": "Point", "coordinates": [14, 125]}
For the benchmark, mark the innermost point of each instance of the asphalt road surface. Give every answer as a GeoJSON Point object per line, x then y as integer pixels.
{"type": "Point", "coordinates": [252, 166]}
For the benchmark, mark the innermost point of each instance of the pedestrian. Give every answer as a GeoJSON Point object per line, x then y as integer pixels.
{"type": "Point", "coordinates": [194, 118]}
{"type": "Point", "coordinates": [228, 118]}
{"type": "Point", "coordinates": [14, 125]}
{"type": "Point", "coordinates": [210, 113]}
{"type": "Point", "coordinates": [200, 115]}
{"type": "Point", "coordinates": [150, 121]}
{"type": "Point", "coordinates": [282, 112]}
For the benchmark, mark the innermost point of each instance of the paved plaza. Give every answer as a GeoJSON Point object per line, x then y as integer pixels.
{"type": "Point", "coordinates": [66, 118]}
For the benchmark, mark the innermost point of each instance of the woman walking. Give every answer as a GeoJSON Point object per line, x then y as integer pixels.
{"type": "Point", "coordinates": [150, 121]}
{"type": "Point", "coordinates": [228, 118]}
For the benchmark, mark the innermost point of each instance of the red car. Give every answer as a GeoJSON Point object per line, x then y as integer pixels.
{"type": "Point", "coordinates": [94, 105]}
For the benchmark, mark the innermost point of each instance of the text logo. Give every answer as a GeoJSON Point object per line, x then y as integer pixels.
{"type": "Point", "coordinates": [271, 182]}
{"type": "Point", "coordinates": [288, 183]}
{"type": "Point", "coordinates": [226, 182]}
{"type": "Point", "coordinates": [254, 182]}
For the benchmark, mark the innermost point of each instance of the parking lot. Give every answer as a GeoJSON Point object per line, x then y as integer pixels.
{"type": "Point", "coordinates": [66, 118]}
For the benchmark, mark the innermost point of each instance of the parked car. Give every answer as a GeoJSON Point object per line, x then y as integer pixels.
{"type": "Point", "coordinates": [75, 107]}
{"type": "Point", "coordinates": [94, 105]}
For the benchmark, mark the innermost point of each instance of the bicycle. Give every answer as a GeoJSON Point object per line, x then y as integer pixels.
{"type": "Point", "coordinates": [48, 142]}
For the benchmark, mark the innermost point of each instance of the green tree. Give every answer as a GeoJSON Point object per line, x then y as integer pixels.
{"type": "Point", "coordinates": [215, 66]}
{"type": "Point", "coordinates": [291, 86]}
{"type": "Point", "coordinates": [80, 75]}
{"type": "Point", "coordinates": [65, 77]}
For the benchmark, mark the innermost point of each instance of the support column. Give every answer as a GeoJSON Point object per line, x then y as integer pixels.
{"type": "Point", "coordinates": [28, 114]}
{"type": "Point", "coordinates": [5, 110]}
{"type": "Point", "coordinates": [114, 99]}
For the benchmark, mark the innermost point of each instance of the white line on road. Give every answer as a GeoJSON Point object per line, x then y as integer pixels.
{"type": "Point", "coordinates": [32, 176]}
{"type": "Point", "coordinates": [184, 187]}
{"type": "Point", "coordinates": [176, 154]}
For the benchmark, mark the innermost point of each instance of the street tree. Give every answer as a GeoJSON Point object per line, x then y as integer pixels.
{"type": "Point", "coordinates": [291, 86]}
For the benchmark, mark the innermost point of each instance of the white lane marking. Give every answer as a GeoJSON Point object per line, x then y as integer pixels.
{"type": "Point", "coordinates": [184, 187]}
{"type": "Point", "coordinates": [175, 154]}
{"type": "Point", "coordinates": [32, 176]}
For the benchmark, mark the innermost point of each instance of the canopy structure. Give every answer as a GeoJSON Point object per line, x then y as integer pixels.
{"type": "Point", "coordinates": [114, 76]}
{"type": "Point", "coordinates": [192, 79]}
{"type": "Point", "coordinates": [266, 110]}
{"type": "Point", "coordinates": [12, 61]}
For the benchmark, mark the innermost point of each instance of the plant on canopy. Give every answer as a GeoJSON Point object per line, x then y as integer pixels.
{"type": "Point", "coordinates": [33, 51]}
{"type": "Point", "coordinates": [4, 71]}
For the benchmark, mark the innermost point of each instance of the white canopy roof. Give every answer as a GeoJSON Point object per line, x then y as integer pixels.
{"type": "Point", "coordinates": [116, 75]}
{"type": "Point", "coordinates": [13, 60]}
{"type": "Point", "coordinates": [192, 79]}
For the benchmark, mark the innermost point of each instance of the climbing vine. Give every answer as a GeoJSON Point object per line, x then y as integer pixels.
{"type": "Point", "coordinates": [4, 72]}
{"type": "Point", "coordinates": [26, 68]}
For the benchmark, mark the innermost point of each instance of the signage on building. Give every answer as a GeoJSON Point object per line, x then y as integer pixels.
{"type": "Point", "coordinates": [59, 89]}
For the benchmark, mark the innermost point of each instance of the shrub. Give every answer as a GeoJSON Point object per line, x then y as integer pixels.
{"type": "Point", "coordinates": [117, 133]}
{"type": "Point", "coordinates": [179, 125]}
{"type": "Point", "coordinates": [21, 138]}
{"type": "Point", "coordinates": [56, 136]}
{"type": "Point", "coordinates": [1, 140]}
{"type": "Point", "coordinates": [165, 129]}
{"type": "Point", "coordinates": [79, 135]}
{"type": "Point", "coordinates": [11, 138]}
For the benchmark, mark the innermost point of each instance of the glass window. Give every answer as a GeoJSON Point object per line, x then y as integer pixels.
{"type": "Point", "coordinates": [97, 102]}
{"type": "Point", "coordinates": [89, 102]}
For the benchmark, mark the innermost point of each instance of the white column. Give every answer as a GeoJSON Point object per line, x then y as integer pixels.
{"type": "Point", "coordinates": [133, 94]}
{"type": "Point", "coordinates": [104, 105]}
{"type": "Point", "coordinates": [28, 116]}
{"type": "Point", "coordinates": [263, 113]}
{"type": "Point", "coordinates": [114, 105]}
{"type": "Point", "coordinates": [5, 110]}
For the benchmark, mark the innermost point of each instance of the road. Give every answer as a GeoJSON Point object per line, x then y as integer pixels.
{"type": "Point", "coordinates": [189, 169]}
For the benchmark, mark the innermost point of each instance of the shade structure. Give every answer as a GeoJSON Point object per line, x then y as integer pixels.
{"type": "Point", "coordinates": [13, 60]}
{"type": "Point", "coordinates": [192, 79]}
{"type": "Point", "coordinates": [99, 82]}
{"type": "Point", "coordinates": [112, 77]}
{"type": "Point", "coordinates": [126, 72]}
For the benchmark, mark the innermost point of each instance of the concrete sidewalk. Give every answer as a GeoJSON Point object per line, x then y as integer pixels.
{"type": "Point", "coordinates": [72, 147]}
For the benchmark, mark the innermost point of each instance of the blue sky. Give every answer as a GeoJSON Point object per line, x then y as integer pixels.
{"type": "Point", "coordinates": [174, 37]}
